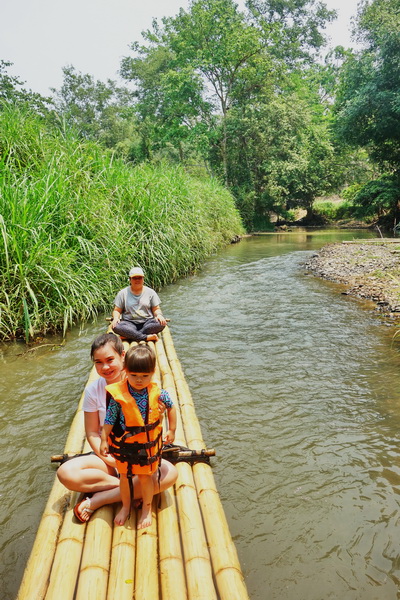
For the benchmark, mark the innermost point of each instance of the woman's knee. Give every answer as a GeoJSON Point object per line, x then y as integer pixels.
{"type": "Point", "coordinates": [170, 474]}
{"type": "Point", "coordinates": [66, 474]}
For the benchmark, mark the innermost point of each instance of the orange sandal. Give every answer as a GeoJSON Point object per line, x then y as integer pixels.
{"type": "Point", "coordinates": [85, 509]}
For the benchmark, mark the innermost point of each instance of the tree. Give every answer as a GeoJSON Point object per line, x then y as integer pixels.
{"type": "Point", "coordinates": [169, 101]}
{"type": "Point", "coordinates": [12, 90]}
{"type": "Point", "coordinates": [97, 110]}
{"type": "Point", "coordinates": [225, 56]}
{"type": "Point", "coordinates": [367, 105]}
{"type": "Point", "coordinates": [283, 158]}
{"type": "Point", "coordinates": [294, 27]}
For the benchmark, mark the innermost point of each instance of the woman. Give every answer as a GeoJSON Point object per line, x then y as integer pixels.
{"type": "Point", "coordinates": [137, 314]}
{"type": "Point", "coordinates": [94, 474]}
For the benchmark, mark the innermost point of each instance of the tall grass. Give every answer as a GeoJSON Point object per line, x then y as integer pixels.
{"type": "Point", "coordinates": [73, 220]}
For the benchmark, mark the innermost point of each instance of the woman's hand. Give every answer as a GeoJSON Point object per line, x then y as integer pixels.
{"type": "Point", "coordinates": [104, 448]}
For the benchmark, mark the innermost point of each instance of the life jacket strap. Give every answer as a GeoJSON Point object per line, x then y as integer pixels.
{"type": "Point", "coordinates": [134, 430]}
{"type": "Point", "coordinates": [136, 453]}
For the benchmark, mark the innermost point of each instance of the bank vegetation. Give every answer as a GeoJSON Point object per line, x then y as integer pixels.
{"type": "Point", "coordinates": [74, 219]}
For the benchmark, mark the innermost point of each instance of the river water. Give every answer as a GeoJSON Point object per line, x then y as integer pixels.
{"type": "Point", "coordinates": [295, 385]}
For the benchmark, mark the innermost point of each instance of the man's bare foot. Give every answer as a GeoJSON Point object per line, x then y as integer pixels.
{"type": "Point", "coordinates": [145, 517]}
{"type": "Point", "coordinates": [152, 337]}
{"type": "Point", "coordinates": [121, 516]}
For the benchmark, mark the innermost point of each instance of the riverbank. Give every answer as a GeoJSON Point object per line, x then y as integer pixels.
{"type": "Point", "coordinates": [369, 270]}
{"type": "Point", "coordinates": [74, 218]}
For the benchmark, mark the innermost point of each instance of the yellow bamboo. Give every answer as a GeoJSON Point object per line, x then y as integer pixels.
{"type": "Point", "coordinates": [93, 575]}
{"type": "Point", "coordinates": [226, 566]}
{"type": "Point", "coordinates": [122, 569]}
{"type": "Point", "coordinates": [67, 557]}
{"type": "Point", "coordinates": [36, 576]}
{"type": "Point", "coordinates": [199, 577]}
{"type": "Point", "coordinates": [146, 578]}
{"type": "Point", "coordinates": [172, 573]}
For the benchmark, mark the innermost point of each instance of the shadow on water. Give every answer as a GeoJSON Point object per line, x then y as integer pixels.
{"type": "Point", "coordinates": [295, 385]}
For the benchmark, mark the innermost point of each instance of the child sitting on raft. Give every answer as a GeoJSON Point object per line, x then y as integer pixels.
{"type": "Point", "coordinates": [138, 449]}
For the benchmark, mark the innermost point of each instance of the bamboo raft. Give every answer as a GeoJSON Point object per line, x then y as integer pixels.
{"type": "Point", "coordinates": [186, 554]}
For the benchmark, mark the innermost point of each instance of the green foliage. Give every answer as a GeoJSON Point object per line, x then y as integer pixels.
{"type": "Point", "coordinates": [12, 91]}
{"type": "Point", "coordinates": [98, 111]}
{"type": "Point", "coordinates": [334, 211]}
{"type": "Point", "coordinates": [201, 74]}
{"type": "Point", "coordinates": [351, 191]}
{"type": "Point", "coordinates": [73, 219]}
{"type": "Point", "coordinates": [293, 26]}
{"type": "Point", "coordinates": [367, 104]}
{"type": "Point", "coordinates": [380, 196]}
{"type": "Point", "coordinates": [281, 159]}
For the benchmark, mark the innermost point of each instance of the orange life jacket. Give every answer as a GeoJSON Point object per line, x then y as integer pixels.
{"type": "Point", "coordinates": [138, 449]}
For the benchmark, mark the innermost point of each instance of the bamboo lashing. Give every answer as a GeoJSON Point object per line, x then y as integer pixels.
{"type": "Point", "coordinates": [168, 453]}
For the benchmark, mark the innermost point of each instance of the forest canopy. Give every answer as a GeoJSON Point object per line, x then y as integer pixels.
{"type": "Point", "coordinates": [249, 97]}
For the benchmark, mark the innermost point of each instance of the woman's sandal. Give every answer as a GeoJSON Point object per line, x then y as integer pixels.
{"type": "Point", "coordinates": [85, 509]}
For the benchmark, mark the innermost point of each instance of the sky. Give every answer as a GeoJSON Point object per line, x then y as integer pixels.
{"type": "Point", "coordinates": [42, 36]}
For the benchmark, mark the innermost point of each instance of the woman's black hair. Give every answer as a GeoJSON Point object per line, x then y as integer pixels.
{"type": "Point", "coordinates": [107, 338]}
{"type": "Point", "coordinates": [140, 359]}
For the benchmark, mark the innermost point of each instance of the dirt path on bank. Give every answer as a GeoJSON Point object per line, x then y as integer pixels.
{"type": "Point", "coordinates": [370, 270]}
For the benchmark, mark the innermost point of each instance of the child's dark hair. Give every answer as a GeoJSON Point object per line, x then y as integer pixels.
{"type": "Point", "coordinates": [107, 338]}
{"type": "Point", "coordinates": [140, 359]}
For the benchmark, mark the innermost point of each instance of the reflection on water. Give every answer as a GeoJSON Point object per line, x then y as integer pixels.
{"type": "Point", "coordinates": [295, 385]}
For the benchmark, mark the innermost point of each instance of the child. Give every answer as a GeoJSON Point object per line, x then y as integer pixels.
{"type": "Point", "coordinates": [137, 397]}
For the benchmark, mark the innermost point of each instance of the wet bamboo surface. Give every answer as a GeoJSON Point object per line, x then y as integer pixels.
{"type": "Point", "coordinates": [187, 553]}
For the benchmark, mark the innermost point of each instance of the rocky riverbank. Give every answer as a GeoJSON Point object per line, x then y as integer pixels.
{"type": "Point", "coordinates": [369, 270]}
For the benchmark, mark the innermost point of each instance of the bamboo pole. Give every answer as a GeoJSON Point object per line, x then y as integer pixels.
{"type": "Point", "coordinates": [67, 558]}
{"type": "Point", "coordinates": [36, 576]}
{"type": "Point", "coordinates": [227, 571]}
{"type": "Point", "coordinates": [146, 577]}
{"type": "Point", "coordinates": [172, 572]}
{"type": "Point", "coordinates": [68, 553]}
{"type": "Point", "coordinates": [122, 569]}
{"type": "Point", "coordinates": [93, 575]}
{"type": "Point", "coordinates": [199, 576]}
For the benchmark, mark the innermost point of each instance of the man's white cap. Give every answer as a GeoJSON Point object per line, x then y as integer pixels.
{"type": "Point", "coordinates": [135, 271]}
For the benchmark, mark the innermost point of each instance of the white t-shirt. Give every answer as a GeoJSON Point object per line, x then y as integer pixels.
{"type": "Point", "coordinates": [95, 398]}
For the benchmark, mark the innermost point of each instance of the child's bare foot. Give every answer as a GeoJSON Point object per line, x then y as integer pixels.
{"type": "Point", "coordinates": [152, 337]}
{"type": "Point", "coordinates": [122, 516]}
{"type": "Point", "coordinates": [145, 517]}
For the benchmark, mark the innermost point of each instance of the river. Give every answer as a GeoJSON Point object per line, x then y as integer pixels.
{"type": "Point", "coordinates": [295, 385]}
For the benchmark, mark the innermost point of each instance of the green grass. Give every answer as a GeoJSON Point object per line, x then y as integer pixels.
{"type": "Point", "coordinates": [73, 220]}
{"type": "Point", "coordinates": [334, 211]}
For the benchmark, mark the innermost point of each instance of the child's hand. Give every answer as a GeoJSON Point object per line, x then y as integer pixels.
{"type": "Point", "coordinates": [169, 437]}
